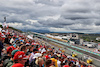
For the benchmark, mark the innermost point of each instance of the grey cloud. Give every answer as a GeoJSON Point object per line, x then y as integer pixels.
{"type": "Point", "coordinates": [50, 2]}
{"type": "Point", "coordinates": [71, 13]}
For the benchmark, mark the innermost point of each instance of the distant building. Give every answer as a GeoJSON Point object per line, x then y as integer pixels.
{"type": "Point", "coordinates": [90, 44]}
{"type": "Point", "coordinates": [74, 36]}
{"type": "Point", "coordinates": [72, 42]}
{"type": "Point", "coordinates": [66, 37]}
{"type": "Point", "coordinates": [85, 43]}
{"type": "Point", "coordinates": [98, 38]}
{"type": "Point", "coordinates": [76, 41]}
{"type": "Point", "coordinates": [99, 46]}
{"type": "Point", "coordinates": [81, 41]}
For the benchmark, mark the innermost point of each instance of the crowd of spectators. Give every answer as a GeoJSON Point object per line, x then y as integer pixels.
{"type": "Point", "coordinates": [17, 50]}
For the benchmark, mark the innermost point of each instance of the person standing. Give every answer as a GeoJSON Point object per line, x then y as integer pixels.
{"type": "Point", "coordinates": [1, 43]}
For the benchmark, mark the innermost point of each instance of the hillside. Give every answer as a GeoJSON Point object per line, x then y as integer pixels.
{"type": "Point", "coordinates": [14, 29]}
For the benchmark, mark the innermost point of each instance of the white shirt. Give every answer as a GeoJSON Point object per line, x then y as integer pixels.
{"type": "Point", "coordinates": [31, 57]}
{"type": "Point", "coordinates": [43, 50]}
{"type": "Point", "coordinates": [11, 40]}
{"type": "Point", "coordinates": [0, 29]}
{"type": "Point", "coordinates": [59, 63]}
{"type": "Point", "coordinates": [50, 56]}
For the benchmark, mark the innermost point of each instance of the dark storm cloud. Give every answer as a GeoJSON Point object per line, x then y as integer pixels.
{"type": "Point", "coordinates": [97, 22]}
{"type": "Point", "coordinates": [81, 29]}
{"type": "Point", "coordinates": [60, 23]}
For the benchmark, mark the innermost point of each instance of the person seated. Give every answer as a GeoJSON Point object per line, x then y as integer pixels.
{"type": "Point", "coordinates": [23, 48]}
{"type": "Point", "coordinates": [6, 58]}
{"type": "Point", "coordinates": [39, 62]}
{"type": "Point", "coordinates": [48, 63]}
{"type": "Point", "coordinates": [20, 58]}
{"type": "Point", "coordinates": [10, 63]}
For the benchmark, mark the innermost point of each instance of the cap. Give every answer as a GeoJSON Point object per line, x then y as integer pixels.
{"type": "Point", "coordinates": [43, 50]}
{"type": "Point", "coordinates": [44, 46]}
{"type": "Point", "coordinates": [18, 65]}
{"type": "Point", "coordinates": [47, 57]}
{"type": "Point", "coordinates": [65, 66]}
{"type": "Point", "coordinates": [2, 35]}
{"type": "Point", "coordinates": [10, 48]}
{"type": "Point", "coordinates": [37, 55]}
{"type": "Point", "coordinates": [13, 52]}
{"type": "Point", "coordinates": [3, 31]}
{"type": "Point", "coordinates": [20, 55]}
{"type": "Point", "coordinates": [64, 56]}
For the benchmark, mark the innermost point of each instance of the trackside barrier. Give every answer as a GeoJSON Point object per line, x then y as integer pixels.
{"type": "Point", "coordinates": [75, 51]}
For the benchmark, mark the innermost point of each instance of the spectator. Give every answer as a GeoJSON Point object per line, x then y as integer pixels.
{"type": "Point", "coordinates": [23, 48]}
{"type": "Point", "coordinates": [18, 65]}
{"type": "Point", "coordinates": [35, 62]}
{"type": "Point", "coordinates": [10, 63]}
{"type": "Point", "coordinates": [31, 47]}
{"type": "Point", "coordinates": [65, 66]}
{"type": "Point", "coordinates": [48, 63]}
{"type": "Point", "coordinates": [7, 40]}
{"type": "Point", "coordinates": [7, 58]}
{"type": "Point", "coordinates": [9, 50]}
{"type": "Point", "coordinates": [47, 57]}
{"type": "Point", "coordinates": [20, 57]}
{"type": "Point", "coordinates": [32, 55]}
{"type": "Point", "coordinates": [59, 63]}
{"type": "Point", "coordinates": [70, 64]}
{"type": "Point", "coordinates": [12, 40]}
{"type": "Point", "coordinates": [39, 62]}
{"type": "Point", "coordinates": [1, 44]}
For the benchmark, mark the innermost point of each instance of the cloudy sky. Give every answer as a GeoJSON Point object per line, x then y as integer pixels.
{"type": "Point", "coordinates": [52, 15]}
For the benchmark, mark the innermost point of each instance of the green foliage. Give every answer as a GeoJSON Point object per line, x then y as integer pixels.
{"type": "Point", "coordinates": [89, 37]}
{"type": "Point", "coordinates": [14, 29]}
{"type": "Point", "coordinates": [0, 25]}
{"type": "Point", "coordinates": [98, 40]}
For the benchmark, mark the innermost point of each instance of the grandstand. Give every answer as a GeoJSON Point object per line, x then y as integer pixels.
{"type": "Point", "coordinates": [96, 56]}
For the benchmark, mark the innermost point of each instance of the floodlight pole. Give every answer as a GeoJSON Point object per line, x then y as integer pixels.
{"type": "Point", "coordinates": [4, 19]}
